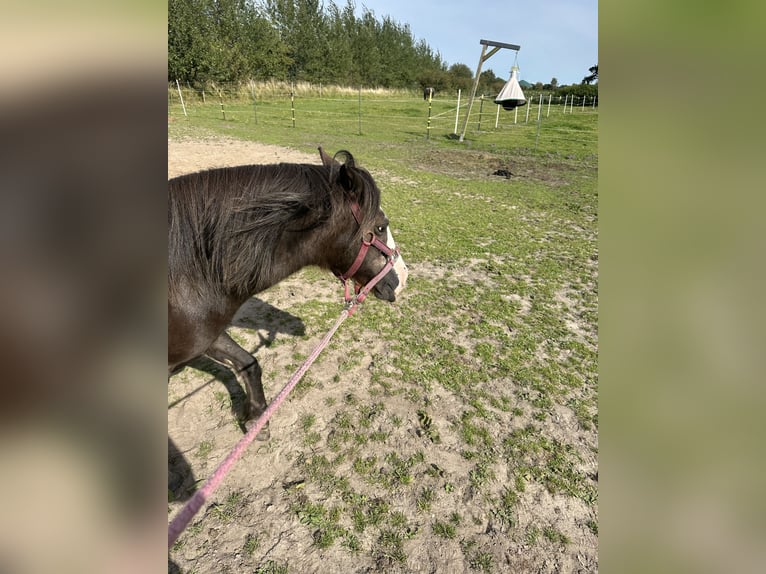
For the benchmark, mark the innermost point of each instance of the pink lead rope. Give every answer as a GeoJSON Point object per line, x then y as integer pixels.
{"type": "Point", "coordinates": [182, 519]}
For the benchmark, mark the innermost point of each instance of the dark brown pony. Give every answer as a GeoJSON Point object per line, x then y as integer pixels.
{"type": "Point", "coordinates": [233, 232]}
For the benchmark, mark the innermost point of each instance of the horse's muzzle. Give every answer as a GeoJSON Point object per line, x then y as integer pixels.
{"type": "Point", "coordinates": [389, 287]}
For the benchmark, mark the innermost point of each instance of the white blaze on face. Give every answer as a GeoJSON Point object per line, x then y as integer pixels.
{"type": "Point", "coordinates": [400, 267]}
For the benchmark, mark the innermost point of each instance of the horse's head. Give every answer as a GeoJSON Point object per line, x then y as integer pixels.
{"type": "Point", "coordinates": [364, 248]}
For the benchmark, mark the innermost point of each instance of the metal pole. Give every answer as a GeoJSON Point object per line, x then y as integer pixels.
{"type": "Point", "coordinates": [529, 105]}
{"type": "Point", "coordinates": [548, 114]}
{"type": "Point", "coordinates": [566, 99]}
{"type": "Point", "coordinates": [473, 90]}
{"type": "Point", "coordinates": [481, 108]}
{"type": "Point", "coordinates": [515, 114]}
{"type": "Point", "coordinates": [497, 116]}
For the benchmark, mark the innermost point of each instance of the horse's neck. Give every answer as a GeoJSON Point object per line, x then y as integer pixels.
{"type": "Point", "coordinates": [291, 255]}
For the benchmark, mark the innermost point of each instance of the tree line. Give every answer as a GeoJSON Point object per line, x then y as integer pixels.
{"type": "Point", "coordinates": [297, 40]}
{"type": "Point", "coordinates": [304, 40]}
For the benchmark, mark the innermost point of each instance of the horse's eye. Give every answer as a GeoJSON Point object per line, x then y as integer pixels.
{"type": "Point", "coordinates": [380, 228]}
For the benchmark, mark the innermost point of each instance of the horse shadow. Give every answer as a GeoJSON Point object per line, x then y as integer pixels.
{"type": "Point", "coordinates": [254, 314]}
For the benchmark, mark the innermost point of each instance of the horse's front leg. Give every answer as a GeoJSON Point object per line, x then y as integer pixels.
{"type": "Point", "coordinates": [225, 351]}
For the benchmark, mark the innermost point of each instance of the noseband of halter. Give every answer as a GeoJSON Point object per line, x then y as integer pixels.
{"type": "Point", "coordinates": [368, 240]}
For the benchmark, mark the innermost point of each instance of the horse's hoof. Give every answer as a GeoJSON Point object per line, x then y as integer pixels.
{"type": "Point", "coordinates": [263, 434]}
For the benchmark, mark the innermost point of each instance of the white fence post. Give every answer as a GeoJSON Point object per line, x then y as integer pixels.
{"type": "Point", "coordinates": [457, 111]}
{"type": "Point", "coordinates": [180, 95]}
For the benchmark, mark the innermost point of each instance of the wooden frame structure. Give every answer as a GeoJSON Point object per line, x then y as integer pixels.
{"type": "Point", "coordinates": [484, 57]}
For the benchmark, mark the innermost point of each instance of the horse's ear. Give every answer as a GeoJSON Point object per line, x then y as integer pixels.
{"type": "Point", "coordinates": [347, 177]}
{"type": "Point", "coordinates": [327, 161]}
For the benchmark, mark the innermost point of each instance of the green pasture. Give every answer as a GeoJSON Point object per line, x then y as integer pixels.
{"type": "Point", "coordinates": [490, 359]}
{"type": "Point", "coordinates": [379, 119]}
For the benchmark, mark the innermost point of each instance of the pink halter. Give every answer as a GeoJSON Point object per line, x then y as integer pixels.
{"type": "Point", "coordinates": [390, 254]}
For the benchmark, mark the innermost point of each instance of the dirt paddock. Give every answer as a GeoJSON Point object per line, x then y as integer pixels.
{"type": "Point", "coordinates": [260, 519]}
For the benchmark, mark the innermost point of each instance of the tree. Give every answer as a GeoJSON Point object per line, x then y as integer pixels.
{"type": "Point", "coordinates": [430, 70]}
{"type": "Point", "coordinates": [579, 90]}
{"type": "Point", "coordinates": [188, 39]}
{"type": "Point", "coordinates": [267, 57]}
{"type": "Point", "coordinates": [397, 44]}
{"type": "Point", "coordinates": [461, 77]}
{"type": "Point", "coordinates": [302, 28]}
{"type": "Point", "coordinates": [593, 77]}
{"type": "Point", "coordinates": [226, 55]}
{"type": "Point", "coordinates": [310, 40]}
{"type": "Point", "coordinates": [489, 83]}
{"type": "Point", "coordinates": [340, 24]}
{"type": "Point", "coordinates": [221, 40]}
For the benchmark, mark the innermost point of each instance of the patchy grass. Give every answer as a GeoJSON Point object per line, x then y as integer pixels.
{"type": "Point", "coordinates": [204, 449]}
{"type": "Point", "coordinates": [272, 567]}
{"type": "Point", "coordinates": [466, 414]}
{"type": "Point", "coordinates": [388, 119]}
{"type": "Point", "coordinates": [252, 544]}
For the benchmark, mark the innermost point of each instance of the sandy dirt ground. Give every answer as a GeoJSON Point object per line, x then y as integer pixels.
{"type": "Point", "coordinates": [250, 526]}
{"type": "Point", "coordinates": [192, 155]}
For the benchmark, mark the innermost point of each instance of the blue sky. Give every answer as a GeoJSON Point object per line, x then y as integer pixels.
{"type": "Point", "coordinates": [558, 38]}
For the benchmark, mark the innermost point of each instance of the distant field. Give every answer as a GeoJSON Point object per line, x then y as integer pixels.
{"type": "Point", "coordinates": [385, 117]}
{"type": "Point", "coordinates": [454, 431]}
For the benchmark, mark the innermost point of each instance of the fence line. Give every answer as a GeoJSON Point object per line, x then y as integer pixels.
{"type": "Point", "coordinates": [305, 90]}
{"type": "Point", "coordinates": [291, 109]}
{"type": "Point", "coordinates": [585, 107]}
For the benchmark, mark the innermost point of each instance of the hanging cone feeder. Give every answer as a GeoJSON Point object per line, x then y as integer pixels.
{"type": "Point", "coordinates": [511, 96]}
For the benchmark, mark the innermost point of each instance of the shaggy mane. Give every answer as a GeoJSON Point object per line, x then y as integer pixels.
{"type": "Point", "coordinates": [226, 224]}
